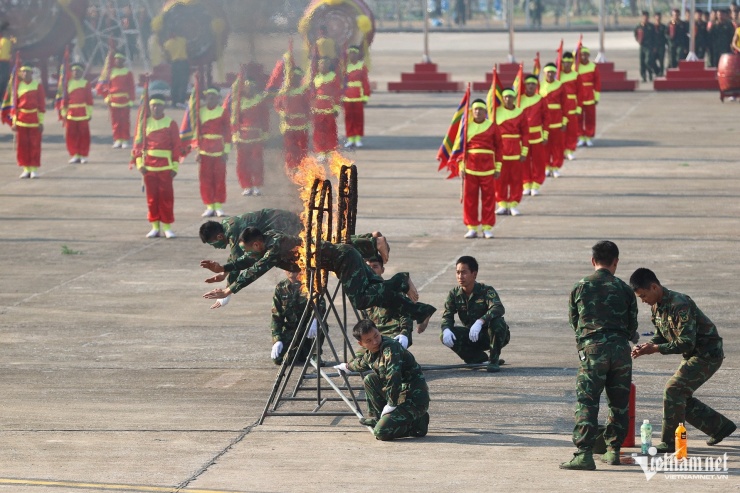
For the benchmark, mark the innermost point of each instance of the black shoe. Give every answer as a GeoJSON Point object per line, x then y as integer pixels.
{"type": "Point", "coordinates": [421, 427]}
{"type": "Point", "coordinates": [371, 422]}
{"type": "Point", "coordinates": [665, 448]}
{"type": "Point", "coordinates": [723, 433]}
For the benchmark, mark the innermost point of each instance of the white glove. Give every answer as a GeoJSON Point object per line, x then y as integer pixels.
{"type": "Point", "coordinates": [341, 367]}
{"type": "Point", "coordinates": [403, 340]}
{"type": "Point", "coordinates": [387, 409]}
{"type": "Point", "coordinates": [224, 301]}
{"type": "Point", "coordinates": [277, 348]}
{"type": "Point", "coordinates": [313, 329]}
{"type": "Point", "coordinates": [448, 338]}
{"type": "Point", "coordinates": [475, 330]}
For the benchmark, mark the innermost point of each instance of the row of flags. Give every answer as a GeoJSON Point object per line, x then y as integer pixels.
{"type": "Point", "coordinates": [455, 140]}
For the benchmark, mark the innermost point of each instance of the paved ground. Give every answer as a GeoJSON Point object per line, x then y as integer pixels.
{"type": "Point", "coordinates": [116, 376]}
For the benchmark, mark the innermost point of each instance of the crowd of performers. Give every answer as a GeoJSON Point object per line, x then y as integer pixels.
{"type": "Point", "coordinates": [308, 103]}
{"type": "Point", "coordinates": [508, 144]}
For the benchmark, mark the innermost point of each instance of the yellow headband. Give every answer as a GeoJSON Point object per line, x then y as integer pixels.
{"type": "Point", "coordinates": [479, 105]}
{"type": "Point", "coordinates": [156, 101]}
{"type": "Point", "coordinates": [550, 69]}
{"type": "Point", "coordinates": [508, 92]}
{"type": "Point", "coordinates": [211, 91]}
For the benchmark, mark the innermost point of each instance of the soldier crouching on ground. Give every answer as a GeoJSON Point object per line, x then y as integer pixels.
{"type": "Point", "coordinates": [482, 314]}
{"type": "Point", "coordinates": [396, 391]}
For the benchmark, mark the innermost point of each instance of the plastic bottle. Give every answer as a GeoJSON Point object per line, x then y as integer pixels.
{"type": "Point", "coordinates": [646, 436]}
{"type": "Point", "coordinates": [682, 447]}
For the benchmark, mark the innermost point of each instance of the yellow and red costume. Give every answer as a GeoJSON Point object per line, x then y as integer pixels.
{"type": "Point", "coordinates": [514, 130]}
{"type": "Point", "coordinates": [28, 117]}
{"type": "Point", "coordinates": [250, 124]}
{"type": "Point", "coordinates": [356, 94]}
{"type": "Point", "coordinates": [160, 156]}
{"type": "Point", "coordinates": [293, 106]}
{"type": "Point", "coordinates": [120, 97]}
{"type": "Point", "coordinates": [556, 99]}
{"type": "Point", "coordinates": [214, 144]}
{"type": "Point", "coordinates": [589, 97]}
{"type": "Point", "coordinates": [572, 85]}
{"type": "Point", "coordinates": [483, 159]}
{"type": "Point", "coordinates": [77, 115]}
{"type": "Point", "coordinates": [538, 120]}
{"type": "Point", "coordinates": [325, 97]}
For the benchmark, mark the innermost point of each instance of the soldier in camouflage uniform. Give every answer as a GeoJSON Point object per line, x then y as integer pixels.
{"type": "Point", "coordinates": [482, 314]}
{"type": "Point", "coordinates": [263, 251]}
{"type": "Point", "coordinates": [603, 314]}
{"type": "Point", "coordinates": [288, 305]}
{"type": "Point", "coordinates": [682, 328]}
{"type": "Point", "coordinates": [396, 391]}
{"type": "Point", "coordinates": [389, 323]}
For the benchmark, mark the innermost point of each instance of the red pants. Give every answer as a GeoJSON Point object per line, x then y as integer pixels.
{"type": "Point", "coordinates": [295, 143]}
{"type": "Point", "coordinates": [555, 148]}
{"type": "Point", "coordinates": [160, 198]}
{"type": "Point", "coordinates": [354, 119]}
{"type": "Point", "coordinates": [28, 146]}
{"type": "Point", "coordinates": [77, 136]}
{"type": "Point", "coordinates": [475, 186]}
{"type": "Point", "coordinates": [324, 132]}
{"type": "Point", "coordinates": [250, 165]}
{"type": "Point", "coordinates": [121, 121]}
{"type": "Point", "coordinates": [571, 132]}
{"type": "Point", "coordinates": [534, 167]}
{"type": "Point", "coordinates": [509, 183]}
{"type": "Point", "coordinates": [587, 121]}
{"type": "Point", "coordinates": [212, 176]}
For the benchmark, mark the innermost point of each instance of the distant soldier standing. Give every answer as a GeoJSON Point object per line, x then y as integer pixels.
{"type": "Point", "coordinates": [571, 81]}
{"type": "Point", "coordinates": [660, 40]}
{"type": "Point", "coordinates": [28, 122]}
{"type": "Point", "coordinates": [678, 38]}
{"type": "Point", "coordinates": [603, 314]}
{"type": "Point", "coordinates": [644, 35]}
{"type": "Point", "coordinates": [514, 130]}
{"type": "Point", "coordinates": [682, 328]}
{"type": "Point", "coordinates": [589, 97]}
{"type": "Point", "coordinates": [326, 91]}
{"type": "Point", "coordinates": [396, 391]}
{"type": "Point", "coordinates": [556, 98]}
{"type": "Point", "coordinates": [119, 96]}
{"type": "Point", "coordinates": [250, 123]}
{"type": "Point", "coordinates": [538, 120]}
{"type": "Point", "coordinates": [292, 104]}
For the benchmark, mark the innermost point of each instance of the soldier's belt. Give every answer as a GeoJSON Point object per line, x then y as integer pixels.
{"type": "Point", "coordinates": [512, 158]}
{"type": "Point", "coordinates": [511, 136]}
{"type": "Point", "coordinates": [480, 151]}
{"type": "Point", "coordinates": [23, 110]}
{"type": "Point", "coordinates": [479, 173]}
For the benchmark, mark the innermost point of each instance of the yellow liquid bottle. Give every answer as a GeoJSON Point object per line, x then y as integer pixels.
{"type": "Point", "coordinates": [681, 442]}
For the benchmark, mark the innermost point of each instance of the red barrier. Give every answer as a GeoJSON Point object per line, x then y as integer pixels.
{"type": "Point", "coordinates": [629, 440]}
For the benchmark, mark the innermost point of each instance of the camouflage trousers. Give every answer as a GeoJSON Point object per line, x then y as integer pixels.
{"type": "Point", "coordinates": [679, 404]}
{"type": "Point", "coordinates": [365, 289]}
{"type": "Point", "coordinates": [413, 404]}
{"type": "Point", "coordinates": [605, 366]}
{"type": "Point", "coordinates": [493, 337]}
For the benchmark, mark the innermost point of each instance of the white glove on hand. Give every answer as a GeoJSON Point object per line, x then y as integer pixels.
{"type": "Point", "coordinates": [313, 329]}
{"type": "Point", "coordinates": [475, 330]}
{"type": "Point", "coordinates": [448, 338]}
{"type": "Point", "coordinates": [224, 301]}
{"type": "Point", "coordinates": [277, 348]}
{"type": "Point", "coordinates": [387, 409]}
{"type": "Point", "coordinates": [403, 340]}
{"type": "Point", "coordinates": [341, 367]}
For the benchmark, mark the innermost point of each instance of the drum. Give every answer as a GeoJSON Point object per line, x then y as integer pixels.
{"type": "Point", "coordinates": [728, 75]}
{"type": "Point", "coordinates": [348, 22]}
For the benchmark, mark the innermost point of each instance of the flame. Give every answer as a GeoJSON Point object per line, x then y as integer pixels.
{"type": "Point", "coordinates": [336, 161]}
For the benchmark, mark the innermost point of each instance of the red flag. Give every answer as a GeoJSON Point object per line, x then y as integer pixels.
{"type": "Point", "coordinates": [518, 84]}
{"type": "Point", "coordinates": [494, 97]}
{"type": "Point", "coordinates": [537, 67]}
{"type": "Point", "coordinates": [577, 54]}
{"type": "Point", "coordinates": [139, 148]}
{"type": "Point", "coordinates": [559, 61]}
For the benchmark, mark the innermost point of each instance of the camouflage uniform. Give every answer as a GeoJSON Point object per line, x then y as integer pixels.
{"type": "Point", "coordinates": [603, 314]}
{"type": "Point", "coordinates": [264, 220]}
{"type": "Point", "coordinates": [681, 327]}
{"type": "Point", "coordinates": [362, 286]}
{"type": "Point", "coordinates": [288, 304]}
{"type": "Point", "coordinates": [396, 380]}
{"type": "Point", "coordinates": [483, 304]}
{"type": "Point", "coordinates": [390, 324]}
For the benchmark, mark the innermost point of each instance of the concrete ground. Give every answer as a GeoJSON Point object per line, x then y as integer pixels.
{"type": "Point", "coordinates": [117, 377]}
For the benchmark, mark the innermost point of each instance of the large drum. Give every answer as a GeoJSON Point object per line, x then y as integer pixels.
{"type": "Point", "coordinates": [728, 75]}
{"type": "Point", "coordinates": [43, 28]}
{"type": "Point", "coordinates": [348, 22]}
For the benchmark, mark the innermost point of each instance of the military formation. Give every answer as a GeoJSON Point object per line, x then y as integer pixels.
{"type": "Point", "coordinates": [714, 35]}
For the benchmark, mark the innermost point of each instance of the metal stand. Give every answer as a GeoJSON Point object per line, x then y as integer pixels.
{"type": "Point", "coordinates": [312, 378]}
